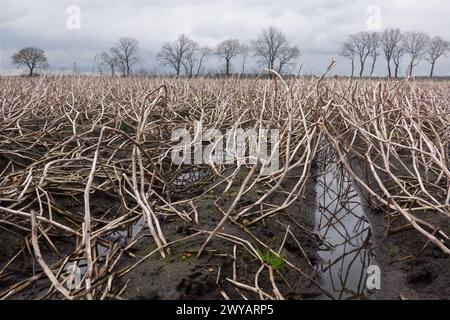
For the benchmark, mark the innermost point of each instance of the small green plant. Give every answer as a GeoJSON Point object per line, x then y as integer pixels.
{"type": "Point", "coordinates": [390, 249]}
{"type": "Point", "coordinates": [272, 259]}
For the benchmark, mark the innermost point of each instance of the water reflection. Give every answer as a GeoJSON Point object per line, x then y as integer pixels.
{"type": "Point", "coordinates": [341, 223]}
{"type": "Point", "coordinates": [188, 177]}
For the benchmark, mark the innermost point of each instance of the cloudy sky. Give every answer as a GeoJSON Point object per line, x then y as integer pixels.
{"type": "Point", "coordinates": [317, 27]}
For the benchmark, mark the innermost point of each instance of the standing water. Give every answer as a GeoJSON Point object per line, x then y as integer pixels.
{"type": "Point", "coordinates": [344, 230]}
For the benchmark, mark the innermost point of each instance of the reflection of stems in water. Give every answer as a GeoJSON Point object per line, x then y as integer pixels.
{"type": "Point", "coordinates": [343, 226]}
{"type": "Point", "coordinates": [344, 282]}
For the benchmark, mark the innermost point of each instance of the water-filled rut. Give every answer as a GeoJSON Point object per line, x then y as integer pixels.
{"type": "Point", "coordinates": [344, 229]}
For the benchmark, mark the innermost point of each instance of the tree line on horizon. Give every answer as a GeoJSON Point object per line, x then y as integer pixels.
{"type": "Point", "coordinates": [186, 57]}
{"type": "Point", "coordinates": [393, 44]}
{"type": "Point", "coordinates": [271, 49]}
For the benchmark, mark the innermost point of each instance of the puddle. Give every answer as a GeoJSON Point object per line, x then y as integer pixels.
{"type": "Point", "coordinates": [188, 177]}
{"type": "Point", "coordinates": [188, 183]}
{"type": "Point", "coordinates": [123, 237]}
{"type": "Point", "coordinates": [76, 270]}
{"type": "Point", "coordinates": [341, 223]}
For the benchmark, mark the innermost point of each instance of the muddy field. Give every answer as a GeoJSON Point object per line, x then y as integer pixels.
{"type": "Point", "coordinates": [93, 205]}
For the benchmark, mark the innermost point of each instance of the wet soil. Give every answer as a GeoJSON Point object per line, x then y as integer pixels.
{"type": "Point", "coordinates": [183, 275]}
{"type": "Point", "coordinates": [411, 267]}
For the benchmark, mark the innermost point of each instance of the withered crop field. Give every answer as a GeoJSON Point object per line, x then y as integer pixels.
{"type": "Point", "coordinates": [93, 206]}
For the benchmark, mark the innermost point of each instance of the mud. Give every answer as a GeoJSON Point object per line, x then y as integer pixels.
{"type": "Point", "coordinates": [411, 268]}
{"type": "Point", "coordinates": [184, 276]}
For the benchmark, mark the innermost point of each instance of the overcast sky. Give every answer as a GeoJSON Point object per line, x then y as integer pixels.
{"type": "Point", "coordinates": [317, 27]}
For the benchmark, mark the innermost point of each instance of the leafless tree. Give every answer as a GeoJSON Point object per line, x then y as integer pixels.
{"type": "Point", "coordinates": [125, 53]}
{"type": "Point", "coordinates": [189, 60]}
{"type": "Point", "coordinates": [173, 53]}
{"type": "Point", "coordinates": [203, 53]}
{"type": "Point", "coordinates": [288, 56]}
{"type": "Point", "coordinates": [273, 49]}
{"type": "Point", "coordinates": [374, 55]}
{"type": "Point", "coordinates": [244, 52]}
{"type": "Point", "coordinates": [391, 41]}
{"type": "Point", "coordinates": [109, 59]}
{"type": "Point", "coordinates": [228, 49]}
{"type": "Point", "coordinates": [33, 58]}
{"type": "Point", "coordinates": [437, 48]}
{"type": "Point", "coordinates": [348, 51]}
{"type": "Point", "coordinates": [193, 59]}
{"type": "Point", "coordinates": [397, 55]}
{"type": "Point", "coordinates": [415, 45]}
{"type": "Point", "coordinates": [364, 44]}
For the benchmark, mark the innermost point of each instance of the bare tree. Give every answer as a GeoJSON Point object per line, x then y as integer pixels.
{"type": "Point", "coordinates": [415, 45]}
{"type": "Point", "coordinates": [33, 58]}
{"type": "Point", "coordinates": [437, 48]}
{"type": "Point", "coordinates": [397, 55]}
{"type": "Point", "coordinates": [373, 43]}
{"type": "Point", "coordinates": [125, 53]}
{"type": "Point", "coordinates": [273, 49]}
{"type": "Point", "coordinates": [173, 53]}
{"type": "Point", "coordinates": [228, 49]}
{"type": "Point", "coordinates": [244, 52]}
{"type": "Point", "coordinates": [204, 52]}
{"type": "Point", "coordinates": [374, 55]}
{"type": "Point", "coordinates": [189, 60]}
{"type": "Point", "coordinates": [288, 56]}
{"type": "Point", "coordinates": [364, 44]}
{"type": "Point", "coordinates": [391, 41]}
{"type": "Point", "coordinates": [109, 60]}
{"type": "Point", "coordinates": [193, 59]}
{"type": "Point", "coordinates": [348, 51]}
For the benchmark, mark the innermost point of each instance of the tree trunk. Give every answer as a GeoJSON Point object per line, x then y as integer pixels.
{"type": "Point", "coordinates": [30, 74]}
{"type": "Point", "coordinates": [271, 63]}
{"type": "Point", "coordinates": [361, 71]}
{"type": "Point", "coordinates": [353, 68]}
{"type": "Point", "coordinates": [373, 66]}
{"type": "Point", "coordinates": [432, 69]}
{"type": "Point", "coordinates": [389, 68]}
{"type": "Point", "coordinates": [227, 67]}
{"type": "Point", "coordinates": [199, 68]}
{"type": "Point", "coordinates": [280, 67]}
{"type": "Point", "coordinates": [126, 69]}
{"type": "Point", "coordinates": [411, 66]}
{"type": "Point", "coordinates": [396, 70]}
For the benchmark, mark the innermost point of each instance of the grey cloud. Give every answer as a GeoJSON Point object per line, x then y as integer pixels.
{"type": "Point", "coordinates": [317, 27]}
